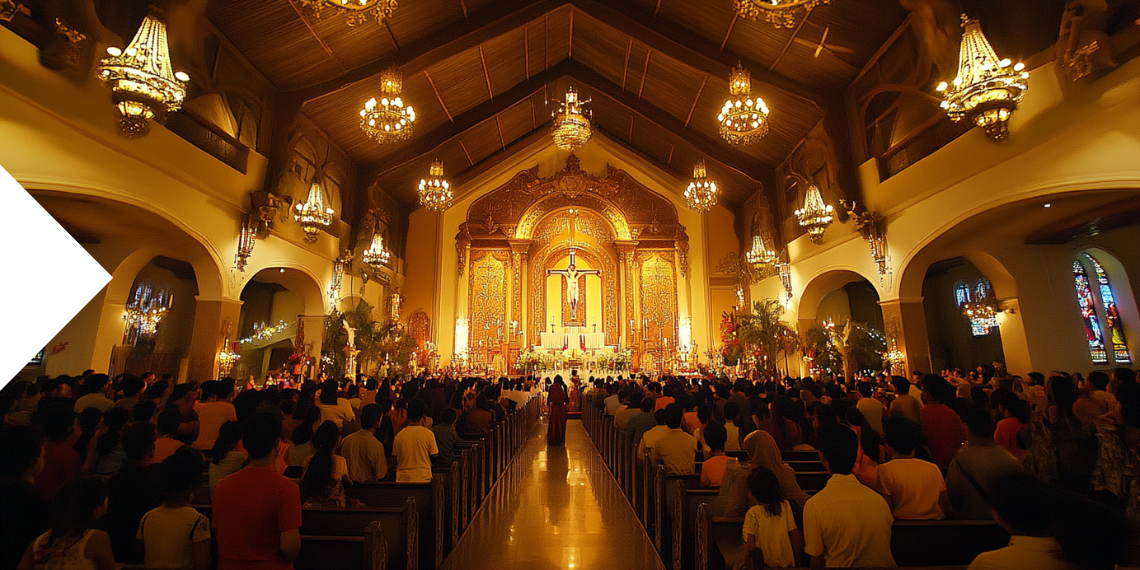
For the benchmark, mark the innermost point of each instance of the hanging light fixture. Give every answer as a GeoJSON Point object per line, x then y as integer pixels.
{"type": "Point", "coordinates": [143, 84]}
{"type": "Point", "coordinates": [762, 255]}
{"type": "Point", "coordinates": [815, 215]}
{"type": "Point", "coordinates": [388, 120]}
{"type": "Point", "coordinates": [779, 13]}
{"type": "Point", "coordinates": [227, 357]}
{"type": "Point", "coordinates": [246, 241]}
{"type": "Point", "coordinates": [701, 195]}
{"type": "Point", "coordinates": [743, 119]}
{"type": "Point", "coordinates": [986, 90]}
{"type": "Point", "coordinates": [435, 192]}
{"type": "Point", "coordinates": [357, 10]}
{"type": "Point", "coordinates": [147, 308]}
{"type": "Point", "coordinates": [376, 255]}
{"type": "Point", "coordinates": [312, 213]}
{"type": "Point", "coordinates": [572, 127]}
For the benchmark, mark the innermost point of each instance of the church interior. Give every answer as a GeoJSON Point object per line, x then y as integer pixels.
{"type": "Point", "coordinates": [595, 211]}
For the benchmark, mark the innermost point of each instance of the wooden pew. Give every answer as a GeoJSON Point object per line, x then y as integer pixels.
{"type": "Point", "coordinates": [686, 497]}
{"type": "Point", "coordinates": [664, 487]}
{"type": "Point", "coordinates": [431, 502]}
{"type": "Point", "coordinates": [807, 455]}
{"type": "Point", "coordinates": [812, 480]}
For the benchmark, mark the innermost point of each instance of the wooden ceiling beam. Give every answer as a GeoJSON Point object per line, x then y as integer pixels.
{"type": "Point", "coordinates": [502, 17]}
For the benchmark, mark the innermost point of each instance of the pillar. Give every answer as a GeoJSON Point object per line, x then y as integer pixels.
{"type": "Point", "coordinates": [314, 334]}
{"type": "Point", "coordinates": [1014, 343]}
{"type": "Point", "coordinates": [214, 320]}
{"type": "Point", "coordinates": [907, 319]}
{"type": "Point", "coordinates": [517, 312]}
{"type": "Point", "coordinates": [625, 279]}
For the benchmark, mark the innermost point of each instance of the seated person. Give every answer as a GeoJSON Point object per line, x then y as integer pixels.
{"type": "Point", "coordinates": [363, 453]}
{"type": "Point", "coordinates": [976, 466]}
{"type": "Point", "coordinates": [176, 536]}
{"type": "Point", "coordinates": [731, 426]}
{"type": "Point", "coordinates": [415, 446]}
{"type": "Point", "coordinates": [1022, 505]}
{"type": "Point", "coordinates": [675, 448]}
{"type": "Point", "coordinates": [227, 458]}
{"type": "Point", "coordinates": [445, 439]}
{"type": "Point", "coordinates": [769, 525]}
{"type": "Point", "coordinates": [912, 487]}
{"type": "Point", "coordinates": [712, 470]}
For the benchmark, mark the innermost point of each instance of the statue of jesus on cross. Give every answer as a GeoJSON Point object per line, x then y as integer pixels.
{"type": "Point", "coordinates": [571, 275]}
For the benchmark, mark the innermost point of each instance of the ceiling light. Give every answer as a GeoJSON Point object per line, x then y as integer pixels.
{"type": "Point", "coordinates": [357, 10]}
{"type": "Point", "coordinates": [743, 119]}
{"type": "Point", "coordinates": [388, 120]}
{"type": "Point", "coordinates": [986, 90]}
{"type": "Point", "coordinates": [701, 195]}
{"type": "Point", "coordinates": [435, 191]}
{"type": "Point", "coordinates": [572, 122]}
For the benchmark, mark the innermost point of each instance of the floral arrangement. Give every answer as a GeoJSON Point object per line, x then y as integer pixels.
{"type": "Point", "coordinates": [732, 349]}
{"type": "Point", "coordinates": [531, 359]}
{"type": "Point", "coordinates": [607, 360]}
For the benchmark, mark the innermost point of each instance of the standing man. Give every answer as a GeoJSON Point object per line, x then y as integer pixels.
{"type": "Point", "coordinates": [414, 447]}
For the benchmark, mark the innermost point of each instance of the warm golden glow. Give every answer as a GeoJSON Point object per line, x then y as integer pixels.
{"type": "Point", "coordinates": [779, 13]}
{"type": "Point", "coordinates": [815, 215]}
{"type": "Point", "coordinates": [246, 242]}
{"type": "Point", "coordinates": [987, 89]}
{"type": "Point", "coordinates": [387, 120]}
{"type": "Point", "coordinates": [358, 11]}
{"type": "Point", "coordinates": [743, 119]}
{"type": "Point", "coordinates": [763, 254]}
{"type": "Point", "coordinates": [376, 255]}
{"type": "Point", "coordinates": [312, 213]}
{"type": "Point", "coordinates": [143, 84]}
{"type": "Point", "coordinates": [147, 308]}
{"type": "Point", "coordinates": [434, 191]}
{"type": "Point", "coordinates": [572, 126]}
{"type": "Point", "coordinates": [701, 195]}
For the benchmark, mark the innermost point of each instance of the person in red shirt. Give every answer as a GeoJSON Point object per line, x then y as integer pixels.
{"type": "Point", "coordinates": [61, 461]}
{"type": "Point", "coordinates": [257, 513]}
{"type": "Point", "coordinates": [1015, 412]}
{"type": "Point", "coordinates": [941, 424]}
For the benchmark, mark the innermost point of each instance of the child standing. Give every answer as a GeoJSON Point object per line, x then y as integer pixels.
{"type": "Point", "coordinates": [175, 536]}
{"type": "Point", "coordinates": [769, 525]}
{"type": "Point", "coordinates": [72, 543]}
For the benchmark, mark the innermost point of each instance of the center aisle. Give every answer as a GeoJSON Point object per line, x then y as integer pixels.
{"type": "Point", "coordinates": [555, 507]}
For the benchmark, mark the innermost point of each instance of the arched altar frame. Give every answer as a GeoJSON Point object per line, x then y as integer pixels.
{"type": "Point", "coordinates": [547, 256]}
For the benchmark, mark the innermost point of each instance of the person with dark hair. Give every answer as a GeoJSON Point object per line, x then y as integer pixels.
{"type": "Point", "coordinates": [1062, 447]}
{"type": "Point", "coordinates": [478, 420]}
{"type": "Point", "coordinates": [334, 408]}
{"type": "Point", "coordinates": [73, 542]}
{"type": "Point", "coordinates": [1015, 418]}
{"type": "Point", "coordinates": [414, 447]}
{"type": "Point", "coordinates": [637, 425]}
{"type": "Point", "coordinates": [95, 397]}
{"type": "Point", "coordinates": [25, 514]}
{"type": "Point", "coordinates": [782, 429]}
{"type": "Point", "coordinates": [257, 512]}
{"type": "Point", "coordinates": [846, 524]}
{"type": "Point", "coordinates": [556, 402]}
{"type": "Point", "coordinates": [90, 420]}
{"type": "Point", "coordinates": [143, 411]}
{"type": "Point", "coordinates": [972, 472]}
{"type": "Point", "coordinates": [364, 454]}
{"type": "Point", "coordinates": [730, 412]}
{"type": "Point", "coordinates": [649, 438]}
{"type": "Point", "coordinates": [61, 462]}
{"type": "Point", "coordinates": [871, 408]}
{"type": "Point", "coordinates": [913, 488]}
{"type": "Point", "coordinates": [225, 457]}
{"type": "Point", "coordinates": [940, 424]}
{"type": "Point", "coordinates": [109, 455]}
{"type": "Point", "coordinates": [322, 482]}
{"type": "Point", "coordinates": [131, 492]}
{"type": "Point", "coordinates": [301, 444]}
{"type": "Point", "coordinates": [904, 404]}
{"type": "Point", "coordinates": [769, 525]}
{"type": "Point", "coordinates": [174, 535]}
{"type": "Point", "coordinates": [744, 416]}
{"type": "Point", "coordinates": [131, 387]}
{"type": "Point", "coordinates": [675, 448]}
{"type": "Point", "coordinates": [167, 442]}
{"type": "Point", "coordinates": [217, 409]}
{"type": "Point", "coordinates": [446, 438]}
{"type": "Point", "coordinates": [629, 411]}
{"type": "Point", "coordinates": [712, 470]}
{"type": "Point", "coordinates": [1023, 506]}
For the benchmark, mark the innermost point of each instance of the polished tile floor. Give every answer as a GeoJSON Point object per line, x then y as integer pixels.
{"type": "Point", "coordinates": [556, 507]}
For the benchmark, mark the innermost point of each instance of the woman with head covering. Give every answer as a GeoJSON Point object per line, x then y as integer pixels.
{"type": "Point", "coordinates": [763, 452]}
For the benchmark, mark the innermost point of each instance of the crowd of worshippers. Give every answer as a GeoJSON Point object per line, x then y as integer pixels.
{"type": "Point", "coordinates": [1053, 459]}
{"type": "Point", "coordinates": [96, 471]}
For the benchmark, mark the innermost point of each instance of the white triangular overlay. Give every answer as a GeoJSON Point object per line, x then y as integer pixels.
{"type": "Point", "coordinates": [46, 277]}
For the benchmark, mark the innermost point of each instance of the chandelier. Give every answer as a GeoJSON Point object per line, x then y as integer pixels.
{"type": "Point", "coordinates": [701, 194]}
{"type": "Point", "coordinates": [376, 255]}
{"type": "Point", "coordinates": [143, 85]}
{"type": "Point", "coordinates": [815, 215]}
{"type": "Point", "coordinates": [246, 241]}
{"type": "Point", "coordinates": [743, 120]}
{"type": "Point", "coordinates": [983, 317]}
{"type": "Point", "coordinates": [762, 254]}
{"type": "Point", "coordinates": [986, 90]}
{"type": "Point", "coordinates": [779, 13]}
{"type": "Point", "coordinates": [572, 126]}
{"type": "Point", "coordinates": [147, 308]}
{"type": "Point", "coordinates": [388, 120]}
{"type": "Point", "coordinates": [227, 357]}
{"type": "Point", "coordinates": [358, 10]}
{"type": "Point", "coordinates": [435, 192]}
{"type": "Point", "coordinates": [313, 214]}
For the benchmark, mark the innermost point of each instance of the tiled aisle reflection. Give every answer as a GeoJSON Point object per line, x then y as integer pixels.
{"type": "Point", "coordinates": [555, 508]}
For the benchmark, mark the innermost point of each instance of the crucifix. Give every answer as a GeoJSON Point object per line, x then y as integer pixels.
{"type": "Point", "coordinates": [571, 274]}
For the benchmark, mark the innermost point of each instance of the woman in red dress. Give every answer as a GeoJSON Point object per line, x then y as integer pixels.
{"type": "Point", "coordinates": [556, 402]}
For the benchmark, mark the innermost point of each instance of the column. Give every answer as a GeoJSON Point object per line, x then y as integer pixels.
{"type": "Point", "coordinates": [461, 293]}
{"type": "Point", "coordinates": [625, 260]}
{"type": "Point", "coordinates": [212, 318]}
{"type": "Point", "coordinates": [519, 254]}
{"type": "Point", "coordinates": [314, 335]}
{"type": "Point", "coordinates": [1014, 342]}
{"type": "Point", "coordinates": [912, 339]}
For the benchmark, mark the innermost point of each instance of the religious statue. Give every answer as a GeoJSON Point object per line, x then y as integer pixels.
{"type": "Point", "coordinates": [571, 275]}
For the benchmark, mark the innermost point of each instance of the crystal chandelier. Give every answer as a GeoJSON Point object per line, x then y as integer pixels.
{"type": "Point", "coordinates": [147, 309]}
{"type": "Point", "coordinates": [313, 214]}
{"type": "Point", "coordinates": [743, 120]}
{"type": "Point", "coordinates": [762, 254]}
{"type": "Point", "coordinates": [143, 85]}
{"type": "Point", "coordinates": [815, 215]}
{"type": "Point", "coordinates": [435, 192]}
{"type": "Point", "coordinates": [779, 13]}
{"type": "Point", "coordinates": [358, 10]}
{"type": "Point", "coordinates": [701, 194]}
{"type": "Point", "coordinates": [376, 255]}
{"type": "Point", "coordinates": [983, 317]}
{"type": "Point", "coordinates": [986, 90]}
{"type": "Point", "coordinates": [388, 120]}
{"type": "Point", "coordinates": [572, 126]}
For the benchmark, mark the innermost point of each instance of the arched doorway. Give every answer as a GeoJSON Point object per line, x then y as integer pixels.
{"type": "Point", "coordinates": [950, 287]}
{"type": "Point", "coordinates": [275, 330]}
{"type": "Point", "coordinates": [841, 325]}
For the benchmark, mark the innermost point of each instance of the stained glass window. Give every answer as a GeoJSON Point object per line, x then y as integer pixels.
{"type": "Point", "coordinates": [1111, 315]}
{"type": "Point", "coordinates": [961, 294]}
{"type": "Point", "coordinates": [1088, 312]}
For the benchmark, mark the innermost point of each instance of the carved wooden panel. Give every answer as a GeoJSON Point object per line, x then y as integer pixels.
{"type": "Point", "coordinates": [488, 296]}
{"type": "Point", "coordinates": [659, 294]}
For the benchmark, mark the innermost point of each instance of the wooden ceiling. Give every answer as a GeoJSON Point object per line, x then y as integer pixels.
{"type": "Point", "coordinates": [483, 76]}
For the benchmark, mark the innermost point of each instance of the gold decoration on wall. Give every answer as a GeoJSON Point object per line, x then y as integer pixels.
{"type": "Point", "coordinates": [659, 294]}
{"type": "Point", "coordinates": [544, 256]}
{"type": "Point", "coordinates": [873, 228]}
{"type": "Point", "coordinates": [462, 242]}
{"type": "Point", "coordinates": [488, 297]}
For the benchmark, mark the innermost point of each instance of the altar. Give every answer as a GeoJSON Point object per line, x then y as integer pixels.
{"type": "Point", "coordinates": [572, 337]}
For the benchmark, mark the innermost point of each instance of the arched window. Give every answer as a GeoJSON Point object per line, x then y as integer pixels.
{"type": "Point", "coordinates": [1088, 298]}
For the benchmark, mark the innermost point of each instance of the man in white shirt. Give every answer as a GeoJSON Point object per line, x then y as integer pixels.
{"type": "Point", "coordinates": [871, 408]}
{"type": "Point", "coordinates": [414, 447]}
{"type": "Point", "coordinates": [846, 524]}
{"type": "Point", "coordinates": [96, 386]}
{"type": "Point", "coordinates": [613, 402]}
{"type": "Point", "coordinates": [367, 462]}
{"type": "Point", "coordinates": [1021, 506]}
{"type": "Point", "coordinates": [650, 438]}
{"type": "Point", "coordinates": [675, 448]}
